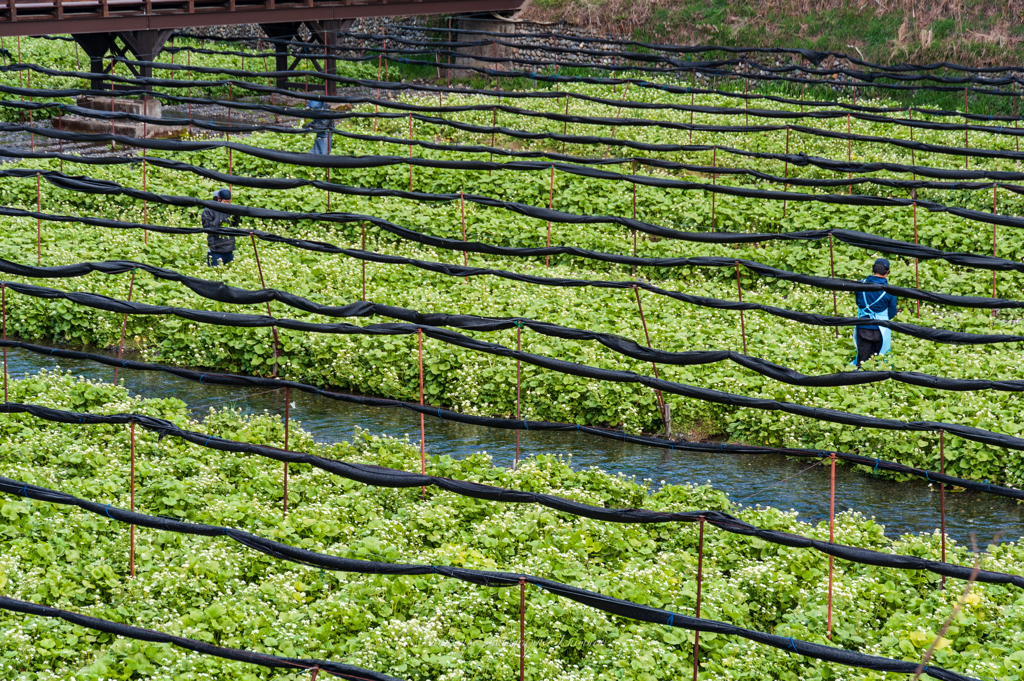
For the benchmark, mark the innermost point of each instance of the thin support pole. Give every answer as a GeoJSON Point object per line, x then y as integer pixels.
{"type": "Point", "coordinates": [39, 223]}
{"type": "Point", "coordinates": [448, 71]}
{"type": "Point", "coordinates": [967, 144]}
{"type": "Point", "coordinates": [131, 487]}
{"type": "Point", "coordinates": [634, 214]}
{"type": "Point", "coordinates": [832, 272]}
{"type": "Point", "coordinates": [189, 56]}
{"type": "Point", "coordinates": [913, 158]}
{"type": "Point", "coordinates": [917, 268]}
{"type": "Point", "coordinates": [565, 123]}
{"type": "Point", "coordinates": [522, 628]}
{"type": "Point", "coordinates": [462, 208]}
{"type": "Point", "coordinates": [693, 84]}
{"type": "Point", "coordinates": [124, 324]}
{"type": "Point", "coordinates": [145, 203]}
{"type": "Point", "coordinates": [831, 539]}
{"type": "Point", "coordinates": [942, 497]}
{"type": "Point", "coordinates": [287, 423]}
{"type": "Point", "coordinates": [375, 105]}
{"type": "Point", "coordinates": [785, 173]}
{"type": "Point", "coordinates": [263, 283]}
{"type": "Point", "coordinates": [551, 203]}
{"type": "Point", "coordinates": [410, 152]}
{"type": "Point", "coordinates": [743, 324]}
{"type": "Point", "coordinates": [494, 130]}
{"type": "Point", "coordinates": [994, 189]}
{"type": "Point", "coordinates": [849, 152]}
{"type": "Point", "coordinates": [423, 426]}
{"type": "Point", "coordinates": [3, 306]}
{"type": "Point", "coordinates": [700, 584]}
{"type": "Point", "coordinates": [714, 162]}
{"type": "Point", "coordinates": [362, 226]}
{"type": "Point", "coordinates": [657, 393]}
{"type": "Point", "coordinates": [519, 388]}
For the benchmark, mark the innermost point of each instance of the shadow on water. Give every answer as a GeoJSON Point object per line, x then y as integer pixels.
{"type": "Point", "coordinates": [767, 480]}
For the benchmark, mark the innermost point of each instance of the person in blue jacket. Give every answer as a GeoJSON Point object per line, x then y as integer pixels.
{"type": "Point", "coordinates": [873, 340]}
{"type": "Point", "coordinates": [323, 127]}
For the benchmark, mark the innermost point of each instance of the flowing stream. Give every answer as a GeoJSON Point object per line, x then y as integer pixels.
{"type": "Point", "coordinates": [767, 480]}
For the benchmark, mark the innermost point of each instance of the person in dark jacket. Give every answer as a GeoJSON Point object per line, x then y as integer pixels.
{"type": "Point", "coordinates": [322, 127]}
{"type": "Point", "coordinates": [873, 340]}
{"type": "Point", "coordinates": [222, 248]}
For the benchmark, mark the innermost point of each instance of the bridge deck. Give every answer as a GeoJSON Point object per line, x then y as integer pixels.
{"type": "Point", "coordinates": [41, 17]}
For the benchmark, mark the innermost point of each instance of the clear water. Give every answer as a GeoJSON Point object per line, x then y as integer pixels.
{"type": "Point", "coordinates": [908, 507]}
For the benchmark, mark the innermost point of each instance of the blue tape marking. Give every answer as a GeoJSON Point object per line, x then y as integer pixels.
{"type": "Point", "coordinates": [124, 363]}
{"type": "Point", "coordinates": [23, 491]}
{"type": "Point", "coordinates": [875, 469]}
{"type": "Point", "coordinates": [439, 412]}
{"type": "Point", "coordinates": [107, 509]}
{"type": "Point", "coordinates": [207, 441]}
{"type": "Point", "coordinates": [578, 428]}
{"type": "Point", "coordinates": [670, 616]}
{"type": "Point", "coordinates": [927, 476]}
{"type": "Point", "coordinates": [792, 644]}
{"type": "Point", "coordinates": [526, 423]}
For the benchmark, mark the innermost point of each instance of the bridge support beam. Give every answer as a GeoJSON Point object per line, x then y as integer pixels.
{"type": "Point", "coordinates": [144, 46]}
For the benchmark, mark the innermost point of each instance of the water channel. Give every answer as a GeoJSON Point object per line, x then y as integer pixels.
{"type": "Point", "coordinates": [906, 507]}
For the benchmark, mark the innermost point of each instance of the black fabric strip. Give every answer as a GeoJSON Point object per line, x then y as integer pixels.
{"type": "Point", "coordinates": [518, 134]}
{"type": "Point", "coordinates": [343, 671]}
{"type": "Point", "coordinates": [174, 83]}
{"type": "Point", "coordinates": [828, 283]}
{"type": "Point", "coordinates": [849, 237]}
{"type": "Point", "coordinates": [562, 366]}
{"type": "Point", "coordinates": [764, 113]}
{"type": "Point", "coordinates": [235, 380]}
{"type": "Point", "coordinates": [598, 601]}
{"type": "Point", "coordinates": [379, 476]}
{"type": "Point", "coordinates": [348, 162]}
{"type": "Point", "coordinates": [221, 292]}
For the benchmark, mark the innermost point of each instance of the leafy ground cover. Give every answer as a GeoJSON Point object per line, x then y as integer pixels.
{"type": "Point", "coordinates": [482, 384]}
{"type": "Point", "coordinates": [426, 627]}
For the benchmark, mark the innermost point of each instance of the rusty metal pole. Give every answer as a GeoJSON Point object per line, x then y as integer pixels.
{"type": "Point", "coordinates": [519, 387]}
{"type": "Point", "coordinates": [3, 307]}
{"type": "Point", "coordinates": [131, 484]}
{"type": "Point", "coordinates": [967, 144]}
{"type": "Point", "coordinates": [743, 324]}
{"type": "Point", "coordinates": [263, 283]}
{"type": "Point", "coordinates": [831, 540]}
{"type": "Point", "coordinates": [551, 203]}
{"type": "Point", "coordinates": [693, 84]}
{"type": "Point", "coordinates": [832, 272]}
{"type": "Point", "coordinates": [714, 162]}
{"type": "Point", "coordinates": [942, 497]}
{"type": "Point", "coordinates": [287, 419]}
{"type": "Point", "coordinates": [423, 426]}
{"type": "Point", "coordinates": [634, 213]}
{"type": "Point", "coordinates": [849, 154]}
{"type": "Point", "coordinates": [462, 208]}
{"type": "Point", "coordinates": [917, 268]}
{"type": "Point", "coordinates": [657, 393]}
{"type": "Point", "coordinates": [785, 173]}
{"type": "Point", "coordinates": [994, 188]}
{"type": "Point", "coordinates": [410, 152]}
{"type": "Point", "coordinates": [700, 583]}
{"type": "Point", "coordinates": [362, 226]}
{"type": "Point", "coordinates": [522, 628]}
{"type": "Point", "coordinates": [124, 324]}
{"type": "Point", "coordinates": [39, 223]}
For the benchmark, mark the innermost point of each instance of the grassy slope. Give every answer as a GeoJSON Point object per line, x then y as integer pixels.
{"type": "Point", "coordinates": [971, 33]}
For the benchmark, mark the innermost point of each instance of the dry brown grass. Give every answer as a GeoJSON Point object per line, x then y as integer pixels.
{"type": "Point", "coordinates": [983, 32]}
